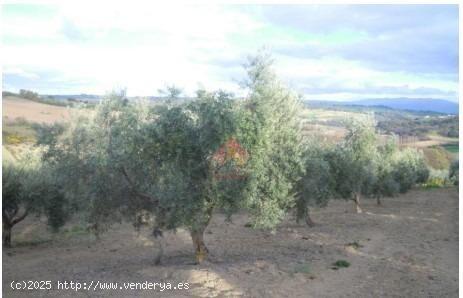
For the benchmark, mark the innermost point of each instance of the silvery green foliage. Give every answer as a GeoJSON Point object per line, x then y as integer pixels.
{"type": "Point", "coordinates": [442, 175]}
{"type": "Point", "coordinates": [126, 157]}
{"type": "Point", "coordinates": [30, 179]}
{"type": "Point", "coordinates": [86, 154]}
{"type": "Point", "coordinates": [409, 168]}
{"type": "Point", "coordinates": [352, 160]}
{"type": "Point", "coordinates": [29, 187]}
{"type": "Point", "coordinates": [316, 185]}
{"type": "Point", "coordinates": [385, 184]}
{"type": "Point", "coordinates": [184, 139]}
{"type": "Point", "coordinates": [270, 131]}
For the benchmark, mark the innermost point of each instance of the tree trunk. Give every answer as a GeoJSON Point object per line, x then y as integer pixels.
{"type": "Point", "coordinates": [197, 235]}
{"type": "Point", "coordinates": [158, 257]}
{"type": "Point", "coordinates": [201, 250]}
{"type": "Point", "coordinates": [378, 201]}
{"type": "Point", "coordinates": [308, 219]}
{"type": "Point", "coordinates": [9, 220]}
{"type": "Point", "coordinates": [357, 203]}
{"type": "Point", "coordinates": [7, 235]}
{"type": "Point", "coordinates": [157, 233]}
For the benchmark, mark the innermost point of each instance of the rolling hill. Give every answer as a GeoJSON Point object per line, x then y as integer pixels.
{"type": "Point", "coordinates": [408, 104]}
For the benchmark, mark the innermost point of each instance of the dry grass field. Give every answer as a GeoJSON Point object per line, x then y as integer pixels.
{"type": "Point", "coordinates": [406, 248]}
{"type": "Point", "coordinates": [17, 107]}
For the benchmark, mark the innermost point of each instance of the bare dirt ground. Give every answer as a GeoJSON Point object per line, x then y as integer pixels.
{"type": "Point", "coordinates": [16, 107]}
{"type": "Point", "coordinates": [406, 248]}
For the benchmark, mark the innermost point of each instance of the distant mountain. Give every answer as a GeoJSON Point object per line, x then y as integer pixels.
{"type": "Point", "coordinates": [409, 104]}
{"type": "Point", "coordinates": [412, 104]}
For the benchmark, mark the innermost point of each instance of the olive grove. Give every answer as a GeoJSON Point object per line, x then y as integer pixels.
{"type": "Point", "coordinates": [182, 161]}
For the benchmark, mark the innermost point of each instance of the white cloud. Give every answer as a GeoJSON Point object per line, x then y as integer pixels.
{"type": "Point", "coordinates": [20, 72]}
{"type": "Point", "coordinates": [97, 46]}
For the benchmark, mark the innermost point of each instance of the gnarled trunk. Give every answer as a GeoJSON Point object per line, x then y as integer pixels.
{"type": "Point", "coordinates": [197, 236]}
{"type": "Point", "coordinates": [303, 213]}
{"type": "Point", "coordinates": [201, 251]}
{"type": "Point", "coordinates": [157, 233]}
{"type": "Point", "coordinates": [308, 219]}
{"type": "Point", "coordinates": [7, 235]}
{"type": "Point", "coordinates": [9, 219]}
{"type": "Point", "coordinates": [357, 203]}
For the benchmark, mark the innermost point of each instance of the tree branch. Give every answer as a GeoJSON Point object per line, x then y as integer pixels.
{"type": "Point", "coordinates": [134, 189]}
{"type": "Point", "coordinates": [6, 217]}
{"type": "Point", "coordinates": [18, 219]}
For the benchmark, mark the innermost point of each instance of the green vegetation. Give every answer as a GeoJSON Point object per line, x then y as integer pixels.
{"type": "Point", "coordinates": [435, 182]}
{"type": "Point", "coordinates": [420, 126]}
{"type": "Point", "coordinates": [352, 161]}
{"type": "Point", "coordinates": [34, 96]}
{"type": "Point", "coordinates": [340, 264]}
{"type": "Point", "coordinates": [452, 147]}
{"type": "Point", "coordinates": [454, 172]}
{"type": "Point", "coordinates": [28, 188]}
{"type": "Point", "coordinates": [391, 121]}
{"type": "Point", "coordinates": [181, 161]}
{"type": "Point", "coordinates": [316, 185]}
{"type": "Point", "coordinates": [410, 169]}
{"type": "Point", "coordinates": [355, 167]}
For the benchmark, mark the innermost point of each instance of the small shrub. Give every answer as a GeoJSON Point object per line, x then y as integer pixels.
{"type": "Point", "coordinates": [435, 182]}
{"type": "Point", "coordinates": [437, 179]}
{"type": "Point", "coordinates": [340, 264]}
{"type": "Point", "coordinates": [451, 147]}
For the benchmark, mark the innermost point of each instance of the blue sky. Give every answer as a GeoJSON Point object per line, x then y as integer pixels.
{"type": "Point", "coordinates": [335, 52]}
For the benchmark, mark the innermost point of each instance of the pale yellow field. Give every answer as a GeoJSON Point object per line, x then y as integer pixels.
{"type": "Point", "coordinates": [16, 107]}
{"type": "Point", "coordinates": [433, 141]}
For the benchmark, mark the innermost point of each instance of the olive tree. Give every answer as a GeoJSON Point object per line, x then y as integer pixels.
{"type": "Point", "coordinates": [384, 184]}
{"type": "Point", "coordinates": [409, 168]}
{"type": "Point", "coordinates": [87, 155]}
{"type": "Point", "coordinates": [352, 161]}
{"type": "Point", "coordinates": [271, 133]}
{"type": "Point", "coordinates": [29, 188]}
{"type": "Point", "coordinates": [316, 184]}
{"type": "Point", "coordinates": [181, 162]}
{"type": "Point", "coordinates": [12, 201]}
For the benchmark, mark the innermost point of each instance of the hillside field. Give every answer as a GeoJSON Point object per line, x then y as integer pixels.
{"type": "Point", "coordinates": [19, 115]}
